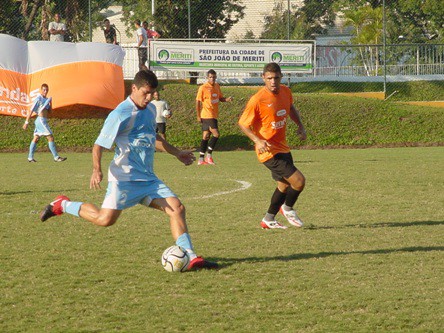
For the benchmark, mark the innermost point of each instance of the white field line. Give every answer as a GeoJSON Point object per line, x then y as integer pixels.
{"type": "Point", "coordinates": [245, 185]}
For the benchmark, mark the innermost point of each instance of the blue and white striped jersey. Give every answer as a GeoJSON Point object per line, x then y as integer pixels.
{"type": "Point", "coordinates": [40, 103]}
{"type": "Point", "coordinates": [134, 133]}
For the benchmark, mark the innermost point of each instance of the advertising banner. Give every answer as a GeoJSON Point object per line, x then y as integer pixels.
{"type": "Point", "coordinates": [198, 56]}
{"type": "Point", "coordinates": [85, 74]}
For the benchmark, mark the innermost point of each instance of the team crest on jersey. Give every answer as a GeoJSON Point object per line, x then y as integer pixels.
{"type": "Point", "coordinates": [281, 113]}
{"type": "Point", "coordinates": [146, 140]}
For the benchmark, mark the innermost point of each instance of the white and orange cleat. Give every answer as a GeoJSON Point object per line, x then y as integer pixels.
{"type": "Point", "coordinates": [272, 225]}
{"type": "Point", "coordinates": [292, 217]}
{"type": "Point", "coordinates": [209, 160]}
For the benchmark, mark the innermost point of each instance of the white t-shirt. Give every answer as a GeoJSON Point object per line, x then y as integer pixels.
{"type": "Point", "coordinates": [160, 107]}
{"type": "Point", "coordinates": [56, 26]}
{"type": "Point", "coordinates": [142, 32]}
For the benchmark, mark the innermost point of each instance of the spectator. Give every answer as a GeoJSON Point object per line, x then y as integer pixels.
{"type": "Point", "coordinates": [151, 34]}
{"type": "Point", "coordinates": [57, 30]}
{"type": "Point", "coordinates": [110, 32]}
{"type": "Point", "coordinates": [142, 43]}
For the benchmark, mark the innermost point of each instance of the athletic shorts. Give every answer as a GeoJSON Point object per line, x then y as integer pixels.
{"type": "Point", "coordinates": [42, 127]}
{"type": "Point", "coordinates": [209, 122]}
{"type": "Point", "coordinates": [122, 195]}
{"type": "Point", "coordinates": [281, 166]}
{"type": "Point", "coordinates": [161, 128]}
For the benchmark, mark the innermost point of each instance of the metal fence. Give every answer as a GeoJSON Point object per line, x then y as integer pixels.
{"type": "Point", "coordinates": [336, 59]}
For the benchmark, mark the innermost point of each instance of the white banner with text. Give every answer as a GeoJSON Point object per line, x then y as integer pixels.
{"type": "Point", "coordinates": [173, 56]}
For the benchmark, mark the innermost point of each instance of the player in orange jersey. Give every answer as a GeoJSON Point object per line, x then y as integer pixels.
{"type": "Point", "coordinates": [264, 121]}
{"type": "Point", "coordinates": [207, 107]}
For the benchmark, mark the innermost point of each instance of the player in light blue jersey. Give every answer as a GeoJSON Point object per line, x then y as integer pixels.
{"type": "Point", "coordinates": [131, 127]}
{"type": "Point", "coordinates": [41, 107]}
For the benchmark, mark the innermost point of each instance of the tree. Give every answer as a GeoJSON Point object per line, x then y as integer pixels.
{"type": "Point", "coordinates": [305, 22]}
{"type": "Point", "coordinates": [417, 21]}
{"type": "Point", "coordinates": [367, 24]}
{"type": "Point", "coordinates": [208, 19]}
{"type": "Point", "coordinates": [29, 19]}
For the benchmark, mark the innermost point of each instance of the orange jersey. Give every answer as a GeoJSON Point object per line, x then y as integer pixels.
{"type": "Point", "coordinates": [209, 96]}
{"type": "Point", "coordinates": [266, 114]}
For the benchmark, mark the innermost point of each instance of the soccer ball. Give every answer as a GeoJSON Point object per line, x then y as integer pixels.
{"type": "Point", "coordinates": [175, 259]}
{"type": "Point", "coordinates": [166, 113]}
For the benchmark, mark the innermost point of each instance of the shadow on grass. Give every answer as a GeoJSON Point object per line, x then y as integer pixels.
{"type": "Point", "coordinates": [378, 225]}
{"type": "Point", "coordinates": [225, 262]}
{"type": "Point", "coordinates": [14, 192]}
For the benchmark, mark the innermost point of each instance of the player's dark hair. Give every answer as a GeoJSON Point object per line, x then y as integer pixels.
{"type": "Point", "coordinates": [137, 22]}
{"type": "Point", "coordinates": [145, 78]}
{"type": "Point", "coordinates": [44, 85]}
{"type": "Point", "coordinates": [211, 71]}
{"type": "Point", "coordinates": [105, 20]}
{"type": "Point", "coordinates": [272, 67]}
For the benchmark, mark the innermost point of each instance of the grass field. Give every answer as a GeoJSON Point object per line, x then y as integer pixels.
{"type": "Point", "coordinates": [370, 258]}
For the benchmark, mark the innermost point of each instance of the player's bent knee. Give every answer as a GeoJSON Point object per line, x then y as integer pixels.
{"type": "Point", "coordinates": [175, 208]}
{"type": "Point", "coordinates": [106, 222]}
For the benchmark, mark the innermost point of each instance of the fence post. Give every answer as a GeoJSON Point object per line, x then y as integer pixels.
{"type": "Point", "coordinates": [384, 42]}
{"type": "Point", "coordinates": [417, 59]}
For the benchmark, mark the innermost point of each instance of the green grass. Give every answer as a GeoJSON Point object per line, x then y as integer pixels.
{"type": "Point", "coordinates": [368, 260]}
{"type": "Point", "coordinates": [403, 91]}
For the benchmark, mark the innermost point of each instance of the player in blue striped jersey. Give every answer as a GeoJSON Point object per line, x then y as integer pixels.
{"type": "Point", "coordinates": [131, 127]}
{"type": "Point", "coordinates": [42, 106]}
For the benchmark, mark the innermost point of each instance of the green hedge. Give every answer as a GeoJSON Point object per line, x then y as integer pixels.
{"type": "Point", "coordinates": [331, 121]}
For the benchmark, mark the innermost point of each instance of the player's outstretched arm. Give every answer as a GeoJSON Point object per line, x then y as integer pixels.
{"type": "Point", "coordinates": [97, 174]}
{"type": "Point", "coordinates": [296, 117]}
{"type": "Point", "coordinates": [261, 145]}
{"type": "Point", "coordinates": [185, 156]}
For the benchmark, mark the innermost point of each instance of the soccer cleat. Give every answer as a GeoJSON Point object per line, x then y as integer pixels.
{"type": "Point", "coordinates": [60, 159]}
{"type": "Point", "coordinates": [53, 209]}
{"type": "Point", "coordinates": [201, 162]}
{"type": "Point", "coordinates": [292, 217]}
{"type": "Point", "coordinates": [201, 263]}
{"type": "Point", "coordinates": [272, 225]}
{"type": "Point", "coordinates": [209, 160]}
{"type": "Point", "coordinates": [31, 160]}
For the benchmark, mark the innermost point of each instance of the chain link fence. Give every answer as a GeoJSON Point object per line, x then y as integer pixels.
{"type": "Point", "coordinates": [343, 60]}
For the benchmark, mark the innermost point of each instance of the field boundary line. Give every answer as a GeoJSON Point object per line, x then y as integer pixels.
{"type": "Point", "coordinates": [244, 186]}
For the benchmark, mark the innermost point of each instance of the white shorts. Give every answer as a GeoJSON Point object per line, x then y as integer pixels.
{"type": "Point", "coordinates": [42, 127]}
{"type": "Point", "coordinates": [121, 195]}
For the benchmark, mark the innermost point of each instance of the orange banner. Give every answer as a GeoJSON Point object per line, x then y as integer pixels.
{"type": "Point", "coordinates": [92, 78]}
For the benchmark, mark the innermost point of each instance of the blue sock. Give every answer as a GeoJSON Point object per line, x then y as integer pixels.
{"type": "Point", "coordinates": [184, 241]}
{"type": "Point", "coordinates": [32, 148]}
{"type": "Point", "coordinates": [52, 148]}
{"type": "Point", "coordinates": [71, 207]}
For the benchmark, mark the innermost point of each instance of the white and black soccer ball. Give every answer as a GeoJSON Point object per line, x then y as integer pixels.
{"type": "Point", "coordinates": [175, 259]}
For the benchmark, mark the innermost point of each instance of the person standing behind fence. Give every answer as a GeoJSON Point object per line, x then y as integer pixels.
{"type": "Point", "coordinates": [151, 34]}
{"type": "Point", "coordinates": [142, 43]}
{"type": "Point", "coordinates": [42, 106]}
{"type": "Point", "coordinates": [163, 113]}
{"type": "Point", "coordinates": [109, 32]}
{"type": "Point", "coordinates": [207, 107]}
{"type": "Point", "coordinates": [57, 30]}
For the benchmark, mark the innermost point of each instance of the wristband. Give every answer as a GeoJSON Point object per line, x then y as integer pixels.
{"type": "Point", "coordinates": [26, 122]}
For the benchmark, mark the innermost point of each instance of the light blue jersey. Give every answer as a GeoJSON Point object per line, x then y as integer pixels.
{"type": "Point", "coordinates": [134, 133]}
{"type": "Point", "coordinates": [41, 123]}
{"type": "Point", "coordinates": [41, 103]}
